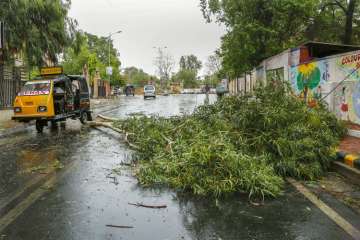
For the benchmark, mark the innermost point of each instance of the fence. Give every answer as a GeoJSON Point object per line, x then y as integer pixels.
{"type": "Point", "coordinates": [10, 84]}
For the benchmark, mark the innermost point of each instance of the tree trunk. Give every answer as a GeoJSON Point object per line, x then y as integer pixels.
{"type": "Point", "coordinates": [349, 22]}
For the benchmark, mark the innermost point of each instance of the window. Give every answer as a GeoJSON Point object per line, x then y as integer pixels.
{"type": "Point", "coordinates": [149, 88]}
{"type": "Point", "coordinates": [35, 88]}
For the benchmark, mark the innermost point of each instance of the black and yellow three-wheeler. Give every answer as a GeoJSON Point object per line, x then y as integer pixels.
{"type": "Point", "coordinates": [53, 97]}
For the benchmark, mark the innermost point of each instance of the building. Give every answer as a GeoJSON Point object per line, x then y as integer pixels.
{"type": "Point", "coordinates": [315, 71]}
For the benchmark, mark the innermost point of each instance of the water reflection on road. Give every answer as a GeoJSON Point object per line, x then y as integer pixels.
{"type": "Point", "coordinates": [162, 105]}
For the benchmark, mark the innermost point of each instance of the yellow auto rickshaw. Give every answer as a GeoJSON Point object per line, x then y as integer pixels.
{"type": "Point", "coordinates": [53, 97]}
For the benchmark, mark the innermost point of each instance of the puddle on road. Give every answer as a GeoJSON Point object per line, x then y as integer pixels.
{"type": "Point", "coordinates": [25, 155]}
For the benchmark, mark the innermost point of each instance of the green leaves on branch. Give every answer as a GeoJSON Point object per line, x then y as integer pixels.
{"type": "Point", "coordinates": [93, 51]}
{"type": "Point", "coordinates": [258, 29]}
{"type": "Point", "coordinates": [37, 29]}
{"type": "Point", "coordinates": [239, 144]}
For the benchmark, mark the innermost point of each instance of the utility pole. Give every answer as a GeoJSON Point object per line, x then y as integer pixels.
{"type": "Point", "coordinates": [160, 59]}
{"type": "Point", "coordinates": [109, 67]}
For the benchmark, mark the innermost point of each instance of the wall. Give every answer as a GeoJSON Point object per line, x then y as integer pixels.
{"type": "Point", "coordinates": [336, 76]}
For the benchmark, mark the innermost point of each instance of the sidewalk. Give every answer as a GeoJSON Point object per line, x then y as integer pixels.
{"type": "Point", "coordinates": [349, 148]}
{"type": "Point", "coordinates": [5, 120]}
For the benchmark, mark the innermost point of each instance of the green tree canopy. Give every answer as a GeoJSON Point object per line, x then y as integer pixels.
{"type": "Point", "coordinates": [137, 76]}
{"type": "Point", "coordinates": [190, 62]}
{"type": "Point", "coordinates": [187, 77]}
{"type": "Point", "coordinates": [257, 29]}
{"type": "Point", "coordinates": [37, 29]}
{"type": "Point", "coordinates": [189, 68]}
{"type": "Point", "coordinates": [92, 51]}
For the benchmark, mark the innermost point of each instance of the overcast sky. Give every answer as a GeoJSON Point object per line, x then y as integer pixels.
{"type": "Point", "coordinates": [177, 24]}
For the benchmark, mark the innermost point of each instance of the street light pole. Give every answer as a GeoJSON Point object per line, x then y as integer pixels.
{"type": "Point", "coordinates": [111, 34]}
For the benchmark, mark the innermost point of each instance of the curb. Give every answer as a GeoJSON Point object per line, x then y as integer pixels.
{"type": "Point", "coordinates": [354, 133]}
{"type": "Point", "coordinates": [350, 160]}
{"type": "Point", "coordinates": [352, 174]}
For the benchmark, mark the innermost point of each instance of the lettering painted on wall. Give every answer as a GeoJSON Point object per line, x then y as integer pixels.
{"type": "Point", "coordinates": [353, 59]}
{"type": "Point", "coordinates": [348, 66]}
{"type": "Point", "coordinates": [307, 79]}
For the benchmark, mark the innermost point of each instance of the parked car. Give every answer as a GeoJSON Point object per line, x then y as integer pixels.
{"type": "Point", "coordinates": [149, 91]}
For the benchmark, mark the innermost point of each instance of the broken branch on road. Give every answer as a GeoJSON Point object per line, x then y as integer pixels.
{"type": "Point", "coordinates": [148, 206]}
{"type": "Point", "coordinates": [118, 226]}
{"type": "Point", "coordinates": [118, 130]}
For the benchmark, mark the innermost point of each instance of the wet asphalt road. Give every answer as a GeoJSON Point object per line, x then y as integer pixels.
{"type": "Point", "coordinates": [60, 185]}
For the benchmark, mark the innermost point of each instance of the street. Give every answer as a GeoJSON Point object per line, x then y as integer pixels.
{"type": "Point", "coordinates": [68, 183]}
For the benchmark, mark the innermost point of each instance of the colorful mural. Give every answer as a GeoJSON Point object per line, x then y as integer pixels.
{"type": "Point", "coordinates": [347, 101]}
{"type": "Point", "coordinates": [307, 79]}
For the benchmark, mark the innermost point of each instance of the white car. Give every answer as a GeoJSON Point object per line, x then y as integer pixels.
{"type": "Point", "coordinates": [149, 91]}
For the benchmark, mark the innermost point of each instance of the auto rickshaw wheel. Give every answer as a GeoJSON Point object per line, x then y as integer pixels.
{"type": "Point", "coordinates": [84, 117]}
{"type": "Point", "coordinates": [89, 116]}
{"type": "Point", "coordinates": [39, 126]}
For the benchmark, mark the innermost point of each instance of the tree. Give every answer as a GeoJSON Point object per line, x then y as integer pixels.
{"type": "Point", "coordinates": [257, 28]}
{"type": "Point", "coordinates": [187, 77]}
{"type": "Point", "coordinates": [341, 14]}
{"type": "Point", "coordinates": [37, 29]}
{"type": "Point", "coordinates": [213, 72]}
{"type": "Point", "coordinates": [137, 76]}
{"type": "Point", "coordinates": [213, 64]}
{"type": "Point", "coordinates": [191, 63]}
{"type": "Point", "coordinates": [92, 51]}
{"type": "Point", "coordinates": [164, 63]}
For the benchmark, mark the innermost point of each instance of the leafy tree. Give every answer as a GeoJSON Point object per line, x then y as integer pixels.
{"type": "Point", "coordinates": [137, 76]}
{"type": "Point", "coordinates": [187, 77]}
{"type": "Point", "coordinates": [258, 29]}
{"type": "Point", "coordinates": [337, 21]}
{"type": "Point", "coordinates": [92, 51]}
{"type": "Point", "coordinates": [191, 63]}
{"type": "Point", "coordinates": [37, 29]}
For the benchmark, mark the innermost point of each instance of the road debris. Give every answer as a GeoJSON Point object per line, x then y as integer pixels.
{"type": "Point", "coordinates": [148, 206]}
{"type": "Point", "coordinates": [118, 226]}
{"type": "Point", "coordinates": [241, 143]}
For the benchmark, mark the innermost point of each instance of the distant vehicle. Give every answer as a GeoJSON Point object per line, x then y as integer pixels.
{"type": "Point", "coordinates": [53, 97]}
{"type": "Point", "coordinates": [221, 89]}
{"type": "Point", "coordinates": [129, 90]}
{"type": "Point", "coordinates": [116, 91]}
{"type": "Point", "coordinates": [149, 91]}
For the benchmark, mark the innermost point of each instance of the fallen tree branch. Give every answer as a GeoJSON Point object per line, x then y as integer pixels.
{"type": "Point", "coordinates": [147, 206]}
{"type": "Point", "coordinates": [118, 226]}
{"type": "Point", "coordinates": [170, 143]}
{"type": "Point", "coordinates": [118, 130]}
{"type": "Point", "coordinates": [110, 119]}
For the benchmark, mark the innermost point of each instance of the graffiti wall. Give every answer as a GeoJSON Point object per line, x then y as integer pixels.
{"type": "Point", "coordinates": [347, 94]}
{"type": "Point", "coordinates": [314, 80]}
{"type": "Point", "coordinates": [308, 79]}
